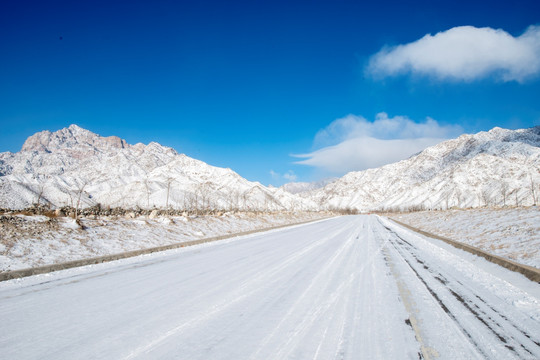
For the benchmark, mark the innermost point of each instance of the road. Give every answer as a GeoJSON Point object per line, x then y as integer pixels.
{"type": "Point", "coordinates": [352, 287]}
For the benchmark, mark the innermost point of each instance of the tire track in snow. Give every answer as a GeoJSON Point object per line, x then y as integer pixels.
{"type": "Point", "coordinates": [356, 263]}
{"type": "Point", "coordinates": [223, 302]}
{"type": "Point", "coordinates": [300, 301]}
{"type": "Point", "coordinates": [426, 352]}
{"type": "Point", "coordinates": [456, 300]}
{"type": "Point", "coordinates": [325, 315]}
{"type": "Point", "coordinates": [246, 289]}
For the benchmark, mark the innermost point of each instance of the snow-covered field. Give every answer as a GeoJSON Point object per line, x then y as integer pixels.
{"type": "Point", "coordinates": [29, 241]}
{"type": "Point", "coordinates": [510, 233]}
{"type": "Point", "coordinates": [351, 287]}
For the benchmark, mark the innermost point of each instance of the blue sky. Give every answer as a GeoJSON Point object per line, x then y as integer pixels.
{"type": "Point", "coordinates": [246, 85]}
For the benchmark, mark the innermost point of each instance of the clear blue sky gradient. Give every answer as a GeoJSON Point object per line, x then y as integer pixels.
{"type": "Point", "coordinates": [239, 84]}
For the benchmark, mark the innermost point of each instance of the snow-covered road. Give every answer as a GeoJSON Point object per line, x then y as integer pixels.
{"type": "Point", "coordinates": [355, 287]}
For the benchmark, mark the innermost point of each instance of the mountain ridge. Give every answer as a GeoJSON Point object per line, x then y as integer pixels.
{"type": "Point", "coordinates": [491, 168]}
{"type": "Point", "coordinates": [467, 171]}
{"type": "Point", "coordinates": [56, 167]}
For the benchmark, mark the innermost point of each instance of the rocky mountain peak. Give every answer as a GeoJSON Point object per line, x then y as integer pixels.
{"type": "Point", "coordinates": [72, 137]}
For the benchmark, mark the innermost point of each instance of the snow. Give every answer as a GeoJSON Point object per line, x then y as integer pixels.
{"type": "Point", "coordinates": [355, 287]}
{"type": "Point", "coordinates": [348, 287]}
{"type": "Point", "coordinates": [37, 240]}
{"type": "Point", "coordinates": [302, 187]}
{"type": "Point", "coordinates": [512, 233]}
{"type": "Point", "coordinates": [60, 167]}
{"type": "Point", "coordinates": [496, 168]}
{"type": "Point", "coordinates": [484, 306]}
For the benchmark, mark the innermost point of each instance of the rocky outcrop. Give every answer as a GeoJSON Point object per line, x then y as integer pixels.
{"type": "Point", "coordinates": [71, 138]}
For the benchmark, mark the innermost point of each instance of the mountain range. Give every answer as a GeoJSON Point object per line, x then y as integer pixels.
{"type": "Point", "coordinates": [73, 165]}
{"type": "Point", "coordinates": [495, 168]}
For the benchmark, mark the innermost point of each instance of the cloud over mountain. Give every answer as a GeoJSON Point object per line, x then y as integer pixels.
{"type": "Point", "coordinates": [500, 167]}
{"type": "Point", "coordinates": [464, 53]}
{"type": "Point", "coordinates": [354, 143]}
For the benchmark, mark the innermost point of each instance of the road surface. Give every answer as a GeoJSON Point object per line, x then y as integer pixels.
{"type": "Point", "coordinates": [352, 287]}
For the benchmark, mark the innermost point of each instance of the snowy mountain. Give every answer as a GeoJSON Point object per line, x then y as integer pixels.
{"type": "Point", "coordinates": [489, 168]}
{"type": "Point", "coordinates": [303, 187]}
{"type": "Point", "coordinates": [486, 169]}
{"type": "Point", "coordinates": [59, 167]}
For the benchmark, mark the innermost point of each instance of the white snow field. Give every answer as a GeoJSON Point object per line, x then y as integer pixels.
{"type": "Point", "coordinates": [352, 287]}
{"type": "Point", "coordinates": [511, 233]}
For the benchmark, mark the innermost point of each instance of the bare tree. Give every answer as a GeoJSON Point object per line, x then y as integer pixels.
{"type": "Point", "coordinates": [266, 202]}
{"type": "Point", "coordinates": [169, 181]}
{"type": "Point", "coordinates": [195, 199]}
{"type": "Point", "coordinates": [236, 200]}
{"type": "Point", "coordinates": [74, 197]}
{"type": "Point", "coordinates": [504, 192]}
{"type": "Point", "coordinates": [147, 186]}
{"type": "Point", "coordinates": [244, 200]}
{"type": "Point", "coordinates": [203, 195]}
{"type": "Point", "coordinates": [533, 192]}
{"type": "Point", "coordinates": [447, 194]}
{"type": "Point", "coordinates": [458, 196]}
{"type": "Point", "coordinates": [71, 202]}
{"type": "Point", "coordinates": [429, 206]}
{"type": "Point", "coordinates": [230, 199]}
{"type": "Point", "coordinates": [69, 197]}
{"type": "Point", "coordinates": [485, 196]}
{"type": "Point", "coordinates": [41, 187]}
{"type": "Point", "coordinates": [80, 189]}
{"type": "Point", "coordinates": [186, 201]}
{"type": "Point", "coordinates": [41, 190]}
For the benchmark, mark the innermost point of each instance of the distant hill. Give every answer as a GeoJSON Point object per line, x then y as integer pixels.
{"type": "Point", "coordinates": [302, 187]}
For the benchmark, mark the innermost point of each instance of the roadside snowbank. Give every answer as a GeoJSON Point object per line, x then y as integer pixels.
{"type": "Point", "coordinates": [29, 241]}
{"type": "Point", "coordinates": [511, 233]}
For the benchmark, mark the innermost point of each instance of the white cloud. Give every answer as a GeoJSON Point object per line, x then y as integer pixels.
{"type": "Point", "coordinates": [383, 127]}
{"type": "Point", "coordinates": [354, 143]}
{"type": "Point", "coordinates": [464, 53]}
